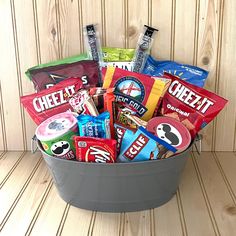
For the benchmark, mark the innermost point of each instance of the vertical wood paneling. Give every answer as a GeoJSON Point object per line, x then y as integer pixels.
{"type": "Point", "coordinates": [136, 21]}
{"type": "Point", "coordinates": [24, 17]}
{"type": "Point", "coordinates": [161, 19]}
{"type": "Point", "coordinates": [2, 123]}
{"type": "Point", "coordinates": [208, 35]}
{"type": "Point", "coordinates": [92, 15]}
{"type": "Point", "coordinates": [115, 23]}
{"type": "Point", "coordinates": [137, 224]}
{"type": "Point", "coordinates": [69, 25]}
{"type": "Point", "coordinates": [9, 79]}
{"type": "Point", "coordinates": [47, 30]}
{"type": "Point", "coordinates": [184, 31]}
{"type": "Point", "coordinates": [225, 125]}
{"type": "Point", "coordinates": [200, 32]}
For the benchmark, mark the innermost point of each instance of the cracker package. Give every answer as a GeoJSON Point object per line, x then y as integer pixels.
{"type": "Point", "coordinates": [52, 101]}
{"type": "Point", "coordinates": [195, 107]}
{"type": "Point", "coordinates": [137, 91]}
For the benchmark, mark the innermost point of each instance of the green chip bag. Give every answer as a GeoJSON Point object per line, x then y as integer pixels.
{"type": "Point", "coordinates": [117, 54]}
{"type": "Point", "coordinates": [67, 60]}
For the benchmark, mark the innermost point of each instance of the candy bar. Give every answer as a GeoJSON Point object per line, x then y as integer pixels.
{"type": "Point", "coordinates": [82, 103]}
{"type": "Point", "coordinates": [95, 149]}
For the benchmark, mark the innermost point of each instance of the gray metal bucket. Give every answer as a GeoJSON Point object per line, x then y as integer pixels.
{"type": "Point", "coordinates": [117, 187]}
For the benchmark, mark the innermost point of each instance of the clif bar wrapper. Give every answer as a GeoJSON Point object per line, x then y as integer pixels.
{"type": "Point", "coordinates": [52, 101]}
{"type": "Point", "coordinates": [97, 150]}
{"type": "Point", "coordinates": [195, 107]}
{"type": "Point", "coordinates": [143, 146]}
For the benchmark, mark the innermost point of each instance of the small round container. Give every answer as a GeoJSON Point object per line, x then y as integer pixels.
{"type": "Point", "coordinates": [171, 131]}
{"type": "Point", "coordinates": [56, 135]}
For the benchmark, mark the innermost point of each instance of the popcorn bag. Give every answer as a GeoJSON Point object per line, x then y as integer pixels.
{"type": "Point", "coordinates": [114, 128]}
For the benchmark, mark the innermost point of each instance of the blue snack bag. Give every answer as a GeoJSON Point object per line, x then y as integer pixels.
{"type": "Point", "coordinates": [191, 74]}
{"type": "Point", "coordinates": [94, 126]}
{"type": "Point", "coordinates": [144, 146]}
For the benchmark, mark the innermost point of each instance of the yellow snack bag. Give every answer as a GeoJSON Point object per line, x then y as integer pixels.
{"type": "Point", "coordinates": [139, 92]}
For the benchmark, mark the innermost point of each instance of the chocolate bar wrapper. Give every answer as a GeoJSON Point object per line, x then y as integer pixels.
{"type": "Point", "coordinates": [97, 150]}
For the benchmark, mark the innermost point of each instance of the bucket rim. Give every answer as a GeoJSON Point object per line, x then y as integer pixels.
{"type": "Point", "coordinates": [174, 157]}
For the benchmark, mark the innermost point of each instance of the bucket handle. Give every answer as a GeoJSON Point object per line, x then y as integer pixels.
{"type": "Point", "coordinates": [198, 143]}
{"type": "Point", "coordinates": [34, 146]}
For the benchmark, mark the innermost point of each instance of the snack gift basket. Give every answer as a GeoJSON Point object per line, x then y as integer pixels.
{"type": "Point", "coordinates": [117, 187]}
{"type": "Point", "coordinates": [117, 139]}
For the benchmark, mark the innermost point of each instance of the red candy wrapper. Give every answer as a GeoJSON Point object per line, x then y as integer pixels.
{"type": "Point", "coordinates": [109, 105]}
{"type": "Point", "coordinates": [99, 150]}
{"type": "Point", "coordinates": [195, 107]}
{"type": "Point", "coordinates": [52, 101]}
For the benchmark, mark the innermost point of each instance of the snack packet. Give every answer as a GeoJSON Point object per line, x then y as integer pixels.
{"type": "Point", "coordinates": [195, 107]}
{"type": "Point", "coordinates": [82, 103]}
{"type": "Point", "coordinates": [97, 94]}
{"type": "Point", "coordinates": [121, 133]}
{"type": "Point", "coordinates": [137, 91]}
{"type": "Point", "coordinates": [45, 76]}
{"type": "Point", "coordinates": [191, 74]}
{"type": "Point", "coordinates": [109, 99]}
{"type": "Point", "coordinates": [117, 54]}
{"type": "Point", "coordinates": [143, 146]}
{"type": "Point", "coordinates": [95, 126]}
{"type": "Point", "coordinates": [92, 43]}
{"type": "Point", "coordinates": [97, 150]}
{"type": "Point", "coordinates": [122, 65]}
{"type": "Point", "coordinates": [52, 101]}
{"type": "Point", "coordinates": [143, 48]}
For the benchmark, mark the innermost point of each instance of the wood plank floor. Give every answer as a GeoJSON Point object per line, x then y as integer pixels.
{"type": "Point", "coordinates": [204, 205]}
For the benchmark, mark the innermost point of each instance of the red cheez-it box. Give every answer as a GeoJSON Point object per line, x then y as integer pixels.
{"type": "Point", "coordinates": [195, 107]}
{"type": "Point", "coordinates": [89, 149]}
{"type": "Point", "coordinates": [52, 101]}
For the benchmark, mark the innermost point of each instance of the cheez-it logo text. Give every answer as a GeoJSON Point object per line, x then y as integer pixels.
{"type": "Point", "coordinates": [53, 99]}
{"type": "Point", "coordinates": [190, 98]}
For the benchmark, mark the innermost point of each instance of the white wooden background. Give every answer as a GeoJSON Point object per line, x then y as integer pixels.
{"type": "Point", "coordinates": [198, 32]}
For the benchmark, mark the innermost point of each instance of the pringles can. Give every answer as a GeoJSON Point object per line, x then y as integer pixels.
{"type": "Point", "coordinates": [171, 131]}
{"type": "Point", "coordinates": [56, 135]}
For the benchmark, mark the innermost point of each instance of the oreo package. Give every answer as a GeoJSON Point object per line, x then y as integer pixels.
{"type": "Point", "coordinates": [191, 74]}
{"type": "Point", "coordinates": [47, 76]}
{"type": "Point", "coordinates": [193, 106]}
{"type": "Point", "coordinates": [52, 101]}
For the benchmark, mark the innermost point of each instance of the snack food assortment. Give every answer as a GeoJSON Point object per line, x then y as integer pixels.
{"type": "Point", "coordinates": [122, 116]}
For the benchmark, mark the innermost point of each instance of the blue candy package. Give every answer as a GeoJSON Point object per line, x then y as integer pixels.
{"type": "Point", "coordinates": [192, 74]}
{"type": "Point", "coordinates": [144, 146]}
{"type": "Point", "coordinates": [121, 136]}
{"type": "Point", "coordinates": [94, 126]}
